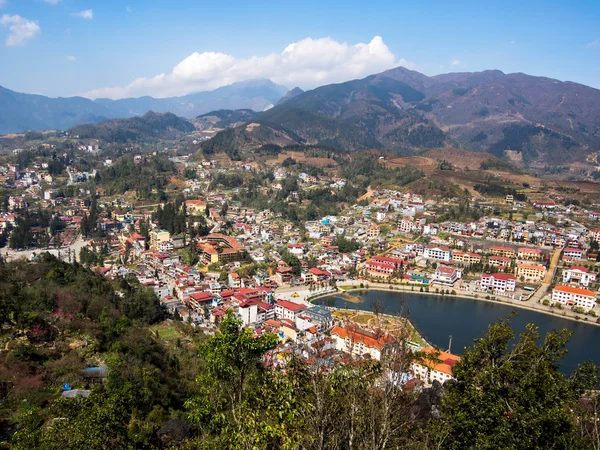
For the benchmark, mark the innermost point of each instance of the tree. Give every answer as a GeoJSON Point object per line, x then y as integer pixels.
{"type": "Point", "coordinates": [513, 398]}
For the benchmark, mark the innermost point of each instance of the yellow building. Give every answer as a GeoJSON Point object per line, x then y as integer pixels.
{"type": "Point", "coordinates": [157, 237]}
{"type": "Point", "coordinates": [531, 272]}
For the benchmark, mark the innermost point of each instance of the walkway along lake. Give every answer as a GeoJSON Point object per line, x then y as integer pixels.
{"type": "Point", "coordinates": [438, 317]}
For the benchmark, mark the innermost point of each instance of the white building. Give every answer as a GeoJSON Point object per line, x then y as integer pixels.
{"type": "Point", "coordinates": [285, 309]}
{"type": "Point", "coordinates": [581, 275]}
{"type": "Point", "coordinates": [572, 296]}
{"type": "Point", "coordinates": [360, 342]}
{"type": "Point", "coordinates": [446, 276]}
{"type": "Point", "coordinates": [498, 282]}
{"type": "Point", "coordinates": [437, 368]}
{"type": "Point", "coordinates": [439, 253]}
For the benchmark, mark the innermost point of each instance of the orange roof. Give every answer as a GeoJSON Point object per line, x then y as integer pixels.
{"type": "Point", "coordinates": [574, 290]}
{"type": "Point", "coordinates": [358, 335]}
{"type": "Point", "coordinates": [447, 360]}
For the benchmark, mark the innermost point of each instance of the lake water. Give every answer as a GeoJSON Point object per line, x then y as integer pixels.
{"type": "Point", "coordinates": [438, 317]}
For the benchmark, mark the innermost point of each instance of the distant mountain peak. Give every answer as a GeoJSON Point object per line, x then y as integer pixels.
{"type": "Point", "coordinates": [291, 94]}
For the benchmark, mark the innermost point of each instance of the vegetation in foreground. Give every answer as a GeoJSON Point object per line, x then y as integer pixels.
{"type": "Point", "coordinates": [169, 387]}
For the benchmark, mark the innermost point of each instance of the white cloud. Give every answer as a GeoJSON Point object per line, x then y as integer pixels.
{"type": "Point", "coordinates": [593, 43]}
{"type": "Point", "coordinates": [71, 58]}
{"type": "Point", "coordinates": [53, 2]}
{"type": "Point", "coordinates": [21, 29]}
{"type": "Point", "coordinates": [455, 62]}
{"type": "Point", "coordinates": [86, 14]}
{"type": "Point", "coordinates": [307, 63]}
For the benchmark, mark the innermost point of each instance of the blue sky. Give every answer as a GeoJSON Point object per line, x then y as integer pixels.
{"type": "Point", "coordinates": [99, 47]}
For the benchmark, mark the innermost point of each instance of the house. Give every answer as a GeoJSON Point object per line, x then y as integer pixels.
{"type": "Point", "coordinates": [315, 316]}
{"type": "Point", "coordinates": [234, 280]}
{"type": "Point", "coordinates": [296, 249]}
{"type": "Point", "coordinates": [446, 276]}
{"type": "Point", "coordinates": [439, 253]}
{"type": "Point", "coordinates": [581, 275]}
{"type": "Point", "coordinates": [359, 342]}
{"type": "Point", "coordinates": [374, 231]}
{"type": "Point", "coordinates": [437, 367]}
{"type": "Point", "coordinates": [315, 275]}
{"type": "Point", "coordinates": [396, 262]}
{"type": "Point", "coordinates": [285, 309]}
{"type": "Point", "coordinates": [531, 272]}
{"type": "Point", "coordinates": [498, 282]}
{"type": "Point", "coordinates": [573, 296]}
{"type": "Point", "coordinates": [596, 235]}
{"type": "Point", "coordinates": [248, 312]}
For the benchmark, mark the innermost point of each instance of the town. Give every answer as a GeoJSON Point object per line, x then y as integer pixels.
{"type": "Point", "coordinates": [205, 248]}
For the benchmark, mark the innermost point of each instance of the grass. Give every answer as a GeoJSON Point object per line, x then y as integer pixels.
{"type": "Point", "coordinates": [166, 332]}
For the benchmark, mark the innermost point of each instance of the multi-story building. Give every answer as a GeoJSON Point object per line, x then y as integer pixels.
{"type": "Point", "coordinates": [436, 367]}
{"type": "Point", "coordinates": [499, 261]}
{"type": "Point", "coordinates": [531, 272]}
{"type": "Point", "coordinates": [157, 237]}
{"type": "Point", "coordinates": [359, 342]}
{"type": "Point", "coordinates": [377, 269]}
{"type": "Point", "coordinates": [374, 231]}
{"type": "Point", "coordinates": [572, 296]}
{"type": "Point", "coordinates": [580, 275]}
{"type": "Point", "coordinates": [285, 309]}
{"type": "Point", "coordinates": [439, 253]}
{"type": "Point", "coordinates": [498, 282]}
{"type": "Point", "coordinates": [529, 254]}
{"type": "Point", "coordinates": [446, 276]}
{"type": "Point", "coordinates": [572, 253]}
{"type": "Point", "coordinates": [503, 251]}
{"type": "Point", "coordinates": [466, 258]}
{"type": "Point", "coordinates": [596, 235]}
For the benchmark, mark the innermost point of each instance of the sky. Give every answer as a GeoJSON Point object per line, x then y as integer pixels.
{"type": "Point", "coordinates": [130, 48]}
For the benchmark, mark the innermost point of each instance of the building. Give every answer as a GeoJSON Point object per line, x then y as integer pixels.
{"type": "Point", "coordinates": [572, 253]}
{"type": "Point", "coordinates": [499, 261]}
{"type": "Point", "coordinates": [439, 253]}
{"type": "Point", "coordinates": [498, 282]}
{"type": "Point", "coordinates": [446, 276]}
{"type": "Point", "coordinates": [437, 367]}
{"type": "Point", "coordinates": [596, 235]}
{"type": "Point", "coordinates": [374, 231]}
{"type": "Point", "coordinates": [377, 269]}
{"type": "Point", "coordinates": [507, 252]}
{"type": "Point", "coordinates": [529, 254]}
{"type": "Point", "coordinates": [359, 342]}
{"type": "Point", "coordinates": [572, 296]}
{"type": "Point", "coordinates": [158, 237]}
{"type": "Point", "coordinates": [466, 258]}
{"type": "Point", "coordinates": [396, 262]}
{"type": "Point", "coordinates": [218, 248]}
{"type": "Point", "coordinates": [315, 275]}
{"type": "Point", "coordinates": [534, 273]}
{"type": "Point", "coordinates": [285, 309]}
{"type": "Point", "coordinates": [315, 316]}
{"type": "Point", "coordinates": [580, 275]}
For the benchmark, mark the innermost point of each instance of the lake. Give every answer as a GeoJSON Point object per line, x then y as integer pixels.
{"type": "Point", "coordinates": [438, 317]}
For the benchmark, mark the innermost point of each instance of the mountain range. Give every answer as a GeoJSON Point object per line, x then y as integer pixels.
{"type": "Point", "coordinates": [23, 112]}
{"type": "Point", "coordinates": [532, 121]}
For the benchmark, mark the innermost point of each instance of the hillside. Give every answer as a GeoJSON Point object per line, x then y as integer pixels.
{"type": "Point", "coordinates": [151, 126]}
{"type": "Point", "coordinates": [527, 120]}
{"type": "Point", "coordinates": [23, 112]}
{"type": "Point", "coordinates": [539, 119]}
{"type": "Point", "coordinates": [224, 118]}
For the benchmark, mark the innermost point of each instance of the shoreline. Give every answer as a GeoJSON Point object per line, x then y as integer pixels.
{"type": "Point", "coordinates": [497, 302]}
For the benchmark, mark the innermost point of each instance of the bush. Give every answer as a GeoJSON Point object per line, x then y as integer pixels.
{"type": "Point", "coordinates": [546, 302]}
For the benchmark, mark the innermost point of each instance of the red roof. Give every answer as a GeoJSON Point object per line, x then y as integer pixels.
{"type": "Point", "coordinates": [499, 276]}
{"type": "Point", "coordinates": [291, 306]}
